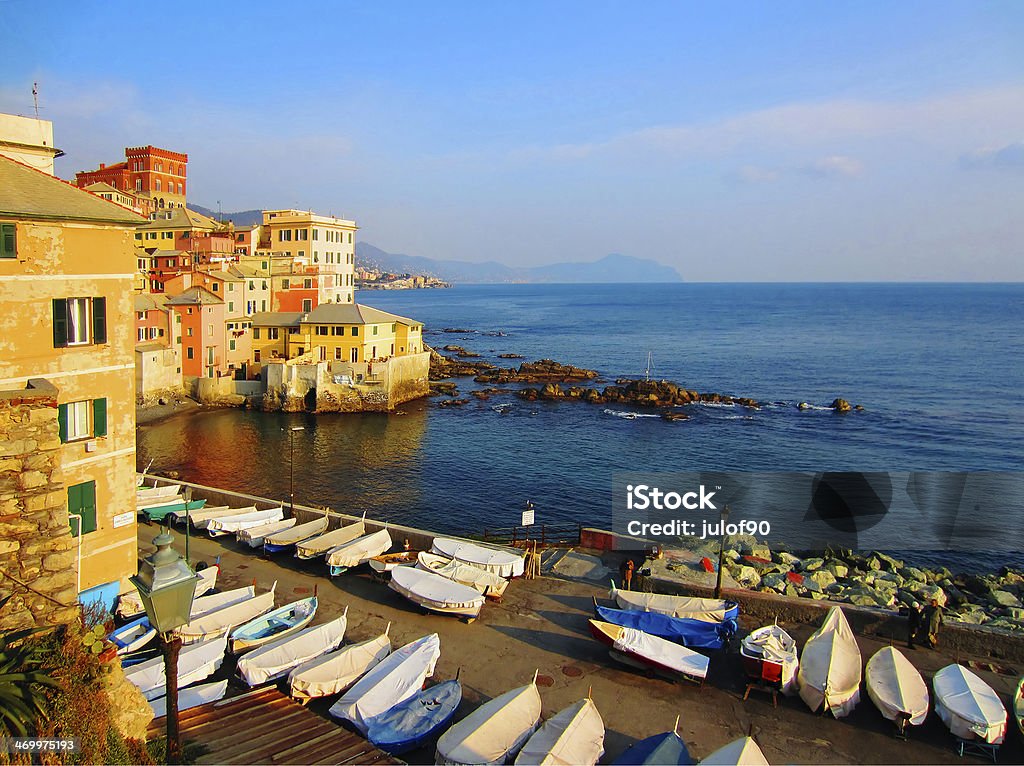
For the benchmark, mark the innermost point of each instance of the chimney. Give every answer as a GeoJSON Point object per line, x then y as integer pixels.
{"type": "Point", "coordinates": [102, 165]}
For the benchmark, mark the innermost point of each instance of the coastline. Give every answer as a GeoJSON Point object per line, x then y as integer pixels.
{"type": "Point", "coordinates": [155, 412]}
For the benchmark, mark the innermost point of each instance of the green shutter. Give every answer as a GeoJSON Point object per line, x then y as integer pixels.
{"type": "Point", "coordinates": [62, 422]}
{"type": "Point", "coordinates": [60, 322]}
{"type": "Point", "coordinates": [8, 241]}
{"type": "Point", "coordinates": [99, 320]}
{"type": "Point", "coordinates": [256, 333]}
{"type": "Point", "coordinates": [82, 501]}
{"type": "Point", "coordinates": [99, 417]}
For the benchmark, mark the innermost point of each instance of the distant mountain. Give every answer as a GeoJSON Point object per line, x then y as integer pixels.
{"type": "Point", "coordinates": [243, 218]}
{"type": "Point", "coordinates": [611, 268]}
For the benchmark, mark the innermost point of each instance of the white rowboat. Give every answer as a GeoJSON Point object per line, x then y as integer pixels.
{"type": "Point", "coordinates": [740, 752]}
{"type": "Point", "coordinates": [254, 536]}
{"type": "Point", "coordinates": [969, 706]}
{"type": "Point", "coordinates": [233, 524]}
{"type": "Point", "coordinates": [274, 625]}
{"type": "Point", "coordinates": [574, 735]}
{"type": "Point", "coordinates": [436, 593]}
{"type": "Point", "coordinates": [318, 546]}
{"type": "Point", "coordinates": [358, 551]}
{"type": "Point", "coordinates": [297, 534]}
{"type": "Point", "coordinates": [277, 659]}
{"type": "Point", "coordinates": [220, 621]}
{"type": "Point", "coordinates": [201, 519]}
{"type": "Point", "coordinates": [685, 607]}
{"type": "Point", "coordinates": [495, 731]}
{"type": "Point", "coordinates": [193, 696]}
{"type": "Point", "coordinates": [335, 672]}
{"type": "Point", "coordinates": [896, 687]}
{"type": "Point", "coordinates": [499, 562]}
{"type": "Point", "coordinates": [130, 604]}
{"type": "Point", "coordinates": [195, 662]}
{"type": "Point", "coordinates": [487, 583]}
{"type": "Point", "coordinates": [830, 667]}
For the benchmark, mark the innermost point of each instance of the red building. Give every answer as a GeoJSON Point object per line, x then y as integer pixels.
{"type": "Point", "coordinates": [153, 174]}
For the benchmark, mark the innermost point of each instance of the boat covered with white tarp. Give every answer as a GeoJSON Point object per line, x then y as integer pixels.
{"type": "Point", "coordinates": [201, 519]}
{"type": "Point", "coordinates": [195, 662]}
{"type": "Point", "coordinates": [740, 752]}
{"type": "Point", "coordinates": [493, 732]}
{"type": "Point", "coordinates": [488, 583]}
{"type": "Point", "coordinates": [770, 653]}
{"type": "Point", "coordinates": [214, 601]}
{"type": "Point", "coordinates": [501, 563]}
{"type": "Point", "coordinates": [287, 538]}
{"type": "Point", "coordinates": [130, 603]}
{"type": "Point", "coordinates": [193, 696]}
{"type": "Point", "coordinates": [334, 672]}
{"type": "Point", "coordinates": [574, 735]}
{"type": "Point", "coordinates": [152, 493]}
{"type": "Point", "coordinates": [635, 646]}
{"type": "Point", "coordinates": [969, 706]}
{"type": "Point", "coordinates": [391, 681]}
{"type": "Point", "coordinates": [328, 541]}
{"type": "Point", "coordinates": [830, 667]}
{"type": "Point", "coordinates": [685, 607]}
{"type": "Point", "coordinates": [220, 621]}
{"type": "Point", "coordinates": [436, 593]}
{"type": "Point", "coordinates": [178, 516]}
{"type": "Point", "coordinates": [358, 551]}
{"type": "Point", "coordinates": [254, 536]}
{"type": "Point", "coordinates": [280, 657]}
{"type": "Point", "coordinates": [896, 687]}
{"type": "Point", "coordinates": [224, 525]}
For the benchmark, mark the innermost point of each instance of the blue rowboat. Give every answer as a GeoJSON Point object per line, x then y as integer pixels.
{"type": "Point", "coordinates": [157, 512]}
{"type": "Point", "coordinates": [409, 724]}
{"type": "Point", "coordinates": [665, 748]}
{"type": "Point", "coordinates": [273, 625]}
{"type": "Point", "coordinates": [694, 634]}
{"type": "Point", "coordinates": [132, 636]}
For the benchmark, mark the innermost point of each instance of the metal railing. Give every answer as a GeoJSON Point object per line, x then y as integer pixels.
{"type": "Point", "coordinates": [545, 535]}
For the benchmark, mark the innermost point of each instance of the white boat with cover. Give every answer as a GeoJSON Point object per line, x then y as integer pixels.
{"type": "Point", "coordinates": [969, 706]}
{"type": "Point", "coordinates": [740, 752]}
{"type": "Point", "coordinates": [769, 653]}
{"type": "Point", "coordinates": [220, 621]}
{"type": "Point", "coordinates": [322, 544]}
{"type": "Point", "coordinates": [634, 646]}
{"type": "Point", "coordinates": [195, 662]}
{"type": "Point", "coordinates": [391, 681]}
{"type": "Point", "coordinates": [704, 609]}
{"type": "Point", "coordinates": [436, 593]}
{"type": "Point", "coordinates": [201, 519]}
{"type": "Point", "coordinates": [574, 735]}
{"type": "Point", "coordinates": [152, 493]}
{"type": "Point", "coordinates": [178, 516]}
{"type": "Point", "coordinates": [358, 551]}
{"type": "Point", "coordinates": [495, 731]}
{"type": "Point", "coordinates": [193, 696]}
{"type": "Point", "coordinates": [896, 687]}
{"type": "Point", "coordinates": [272, 626]}
{"type": "Point", "coordinates": [233, 524]}
{"type": "Point", "coordinates": [333, 673]}
{"type": "Point", "coordinates": [141, 504]}
{"type": "Point", "coordinates": [215, 601]}
{"type": "Point", "coordinates": [277, 659]}
{"type": "Point", "coordinates": [499, 562]}
{"type": "Point", "coordinates": [254, 536]}
{"type": "Point", "coordinates": [130, 603]}
{"type": "Point", "coordinates": [487, 583]}
{"type": "Point", "coordinates": [297, 534]}
{"type": "Point", "coordinates": [830, 667]}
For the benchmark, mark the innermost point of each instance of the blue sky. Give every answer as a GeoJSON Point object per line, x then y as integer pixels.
{"type": "Point", "coordinates": [734, 141]}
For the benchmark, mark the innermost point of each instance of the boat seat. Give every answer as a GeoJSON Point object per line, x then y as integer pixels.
{"type": "Point", "coordinates": [770, 681]}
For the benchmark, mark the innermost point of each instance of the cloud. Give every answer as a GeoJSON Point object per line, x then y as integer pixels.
{"type": "Point", "coordinates": [834, 166]}
{"type": "Point", "coordinates": [1009, 157]}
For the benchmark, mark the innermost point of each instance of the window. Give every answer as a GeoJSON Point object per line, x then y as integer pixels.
{"type": "Point", "coordinates": [152, 333]}
{"type": "Point", "coordinates": [209, 330]}
{"type": "Point", "coordinates": [216, 287]}
{"type": "Point", "coordinates": [157, 186]}
{"type": "Point", "coordinates": [263, 305]}
{"type": "Point", "coordinates": [167, 235]}
{"type": "Point", "coordinates": [231, 307]}
{"type": "Point", "coordinates": [140, 334]}
{"type": "Point", "coordinates": [355, 331]}
{"type": "Point", "coordinates": [337, 331]}
{"type": "Point", "coordinates": [138, 235]}
{"type": "Point", "coordinates": [190, 353]}
{"type": "Point", "coordinates": [316, 232]}
{"type": "Point", "coordinates": [180, 187]}
{"type": "Point", "coordinates": [375, 329]}
{"type": "Point", "coordinates": [273, 333]}
{"type": "Point", "coordinates": [256, 333]}
{"type": "Point", "coordinates": [82, 503]}
{"type": "Point", "coordinates": [284, 284]}
{"type": "Point", "coordinates": [307, 283]}
{"type": "Point", "coordinates": [231, 287]}
{"type": "Point", "coordinates": [337, 352]}
{"type": "Point", "coordinates": [284, 235]}
{"type": "Point", "coordinates": [355, 354]}
{"type": "Point", "coordinates": [231, 345]}
{"type": "Point", "coordinates": [82, 420]}
{"type": "Point", "coordinates": [79, 321]}
{"type": "Point", "coordinates": [8, 240]}
{"type": "Point", "coordinates": [256, 355]}
{"type": "Point", "coordinates": [188, 332]}
{"type": "Point", "coordinates": [321, 330]}
{"type": "Point", "coordinates": [307, 304]}
{"type": "Point", "coordinates": [302, 234]}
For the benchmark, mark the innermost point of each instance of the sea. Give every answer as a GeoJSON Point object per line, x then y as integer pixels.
{"type": "Point", "coordinates": [938, 369]}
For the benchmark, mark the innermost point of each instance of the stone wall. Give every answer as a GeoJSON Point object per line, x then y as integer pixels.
{"type": "Point", "coordinates": [36, 545]}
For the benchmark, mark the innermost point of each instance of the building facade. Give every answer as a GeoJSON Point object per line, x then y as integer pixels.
{"type": "Point", "coordinates": [159, 176]}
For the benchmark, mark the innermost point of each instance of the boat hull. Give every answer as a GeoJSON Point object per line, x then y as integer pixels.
{"type": "Point", "coordinates": [409, 724]}
{"type": "Point", "coordinates": [273, 626]}
{"type": "Point", "coordinates": [159, 512]}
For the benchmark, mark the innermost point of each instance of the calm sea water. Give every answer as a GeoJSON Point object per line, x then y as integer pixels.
{"type": "Point", "coordinates": [939, 369]}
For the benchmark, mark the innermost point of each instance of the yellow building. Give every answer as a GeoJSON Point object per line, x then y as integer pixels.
{"type": "Point", "coordinates": [309, 246]}
{"type": "Point", "coordinates": [67, 265]}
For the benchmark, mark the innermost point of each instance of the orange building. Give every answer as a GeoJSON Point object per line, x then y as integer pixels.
{"type": "Point", "coordinates": [199, 330]}
{"type": "Point", "coordinates": [156, 176]}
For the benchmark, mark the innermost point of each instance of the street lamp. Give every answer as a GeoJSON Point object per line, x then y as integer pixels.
{"type": "Point", "coordinates": [291, 465]}
{"type": "Point", "coordinates": [721, 551]}
{"type": "Point", "coordinates": [167, 585]}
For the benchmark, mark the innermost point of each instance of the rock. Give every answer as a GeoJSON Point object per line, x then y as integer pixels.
{"type": "Point", "coordinates": [791, 591]}
{"type": "Point", "coordinates": [675, 416]}
{"type": "Point", "coordinates": [746, 576]}
{"type": "Point", "coordinates": [913, 573]}
{"type": "Point", "coordinates": [840, 405]}
{"type": "Point", "coordinates": [888, 563]}
{"type": "Point", "coordinates": [452, 402]}
{"type": "Point", "coordinates": [803, 406]}
{"type": "Point", "coordinates": [761, 551]}
{"type": "Point", "coordinates": [822, 577]}
{"type": "Point", "coordinates": [927, 592]}
{"type": "Point", "coordinates": [1004, 598]}
{"type": "Point", "coordinates": [732, 555]}
{"type": "Point", "coordinates": [774, 580]}
{"type": "Point", "coordinates": [510, 356]}
{"type": "Point", "coordinates": [838, 570]}
{"type": "Point", "coordinates": [439, 388]}
{"type": "Point", "coordinates": [810, 565]}
{"type": "Point", "coordinates": [811, 585]}
{"type": "Point", "coordinates": [782, 557]}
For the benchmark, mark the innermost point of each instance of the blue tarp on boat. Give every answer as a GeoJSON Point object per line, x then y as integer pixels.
{"type": "Point", "coordinates": [664, 749]}
{"type": "Point", "coordinates": [694, 634]}
{"type": "Point", "coordinates": [411, 723]}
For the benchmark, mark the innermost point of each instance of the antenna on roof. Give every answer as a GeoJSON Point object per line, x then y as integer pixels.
{"type": "Point", "coordinates": [35, 97]}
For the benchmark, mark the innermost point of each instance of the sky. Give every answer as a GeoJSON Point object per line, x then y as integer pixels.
{"type": "Point", "coordinates": [734, 141]}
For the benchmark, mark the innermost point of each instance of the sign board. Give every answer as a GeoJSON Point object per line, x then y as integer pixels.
{"type": "Point", "coordinates": [527, 518]}
{"type": "Point", "coordinates": [124, 519]}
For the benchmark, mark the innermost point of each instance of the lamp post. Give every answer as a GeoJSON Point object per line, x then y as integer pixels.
{"type": "Point", "coordinates": [291, 465]}
{"type": "Point", "coordinates": [167, 585]}
{"type": "Point", "coordinates": [721, 551]}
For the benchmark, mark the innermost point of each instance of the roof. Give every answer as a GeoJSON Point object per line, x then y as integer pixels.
{"type": "Point", "coordinates": [265, 726]}
{"type": "Point", "coordinates": [276, 318]}
{"type": "Point", "coordinates": [30, 194]}
{"type": "Point", "coordinates": [352, 313]}
{"type": "Point", "coordinates": [152, 345]}
{"type": "Point", "coordinates": [245, 271]}
{"type": "Point", "coordinates": [181, 218]}
{"type": "Point", "coordinates": [194, 296]}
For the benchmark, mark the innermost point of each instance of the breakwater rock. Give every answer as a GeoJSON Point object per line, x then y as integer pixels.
{"type": "Point", "coordinates": [541, 371]}
{"type": "Point", "coordinates": [647, 393]}
{"type": "Point", "coordinates": [450, 367]}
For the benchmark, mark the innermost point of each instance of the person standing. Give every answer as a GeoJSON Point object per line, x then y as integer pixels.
{"type": "Point", "coordinates": [914, 618]}
{"type": "Point", "coordinates": [626, 570]}
{"type": "Point", "coordinates": [932, 622]}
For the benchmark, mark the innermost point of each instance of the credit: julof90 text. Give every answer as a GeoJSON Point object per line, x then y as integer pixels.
{"type": "Point", "coordinates": [681, 528]}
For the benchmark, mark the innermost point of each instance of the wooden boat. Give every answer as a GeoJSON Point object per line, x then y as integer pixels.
{"type": "Point", "coordinates": [830, 667]}
{"type": "Point", "coordinates": [409, 724]}
{"type": "Point", "coordinates": [195, 662]}
{"type": "Point", "coordinates": [277, 659]}
{"type": "Point", "coordinates": [178, 517]}
{"type": "Point", "coordinates": [896, 688]}
{"type": "Point", "coordinates": [219, 621]}
{"type": "Point", "coordinates": [436, 593]}
{"type": "Point", "coordinates": [491, 585]}
{"type": "Point", "coordinates": [968, 706]}
{"type": "Point", "coordinates": [133, 636]}
{"type": "Point", "coordinates": [664, 749]}
{"type": "Point", "coordinates": [769, 656]}
{"type": "Point", "coordinates": [201, 519]}
{"type": "Point", "coordinates": [387, 561]}
{"type": "Point", "coordinates": [358, 551]}
{"type": "Point", "coordinates": [391, 681]}
{"type": "Point", "coordinates": [289, 538]}
{"type": "Point", "coordinates": [322, 544]}
{"type": "Point", "coordinates": [151, 502]}
{"type": "Point", "coordinates": [636, 647]}
{"type": "Point", "coordinates": [130, 604]}
{"type": "Point", "coordinates": [232, 524]}
{"type": "Point", "coordinates": [500, 562]}
{"type": "Point", "coordinates": [495, 731]}
{"type": "Point", "coordinates": [707, 609]}
{"type": "Point", "coordinates": [333, 673]}
{"type": "Point", "coordinates": [740, 752]}
{"type": "Point", "coordinates": [193, 696]}
{"type": "Point", "coordinates": [215, 601]}
{"type": "Point", "coordinates": [1018, 704]}
{"type": "Point", "coordinates": [151, 493]}
{"type": "Point", "coordinates": [158, 512]}
{"type": "Point", "coordinates": [255, 536]}
{"type": "Point", "coordinates": [574, 735]}
{"type": "Point", "coordinates": [283, 621]}
{"type": "Point", "coordinates": [696, 634]}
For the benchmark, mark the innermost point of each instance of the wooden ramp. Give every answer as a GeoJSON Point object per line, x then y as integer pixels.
{"type": "Point", "coordinates": [266, 726]}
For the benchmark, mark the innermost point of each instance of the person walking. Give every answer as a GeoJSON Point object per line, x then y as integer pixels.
{"type": "Point", "coordinates": [914, 619]}
{"type": "Point", "coordinates": [932, 622]}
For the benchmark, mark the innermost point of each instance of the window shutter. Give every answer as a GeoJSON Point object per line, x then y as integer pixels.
{"type": "Point", "coordinates": [99, 417]}
{"type": "Point", "coordinates": [99, 320]}
{"type": "Point", "coordinates": [62, 422]}
{"type": "Point", "coordinates": [88, 507]}
{"type": "Point", "coordinates": [60, 322]}
{"type": "Point", "coordinates": [8, 241]}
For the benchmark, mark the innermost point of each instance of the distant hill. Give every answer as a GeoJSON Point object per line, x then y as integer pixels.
{"type": "Point", "coordinates": [611, 268]}
{"type": "Point", "coordinates": [243, 218]}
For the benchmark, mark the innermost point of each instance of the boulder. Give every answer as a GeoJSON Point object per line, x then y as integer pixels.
{"type": "Point", "coordinates": [782, 557]}
{"type": "Point", "coordinates": [761, 551]}
{"type": "Point", "coordinates": [746, 576]}
{"type": "Point", "coordinates": [927, 592]}
{"type": "Point", "coordinates": [838, 570]}
{"type": "Point", "coordinates": [822, 577]}
{"type": "Point", "coordinates": [1004, 598]}
{"type": "Point", "coordinates": [775, 581]}
{"type": "Point", "coordinates": [810, 565]}
{"type": "Point", "coordinates": [840, 405]}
